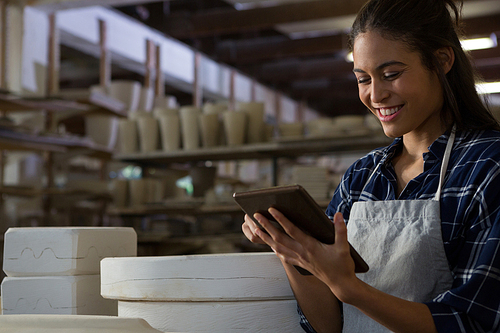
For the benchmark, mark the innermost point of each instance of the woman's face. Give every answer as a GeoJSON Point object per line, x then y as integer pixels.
{"type": "Point", "coordinates": [396, 87]}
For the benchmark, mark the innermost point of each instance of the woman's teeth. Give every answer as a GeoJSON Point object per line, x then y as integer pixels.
{"type": "Point", "coordinates": [388, 112]}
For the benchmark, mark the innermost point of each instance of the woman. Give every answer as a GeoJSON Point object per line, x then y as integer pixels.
{"type": "Point", "coordinates": [424, 212]}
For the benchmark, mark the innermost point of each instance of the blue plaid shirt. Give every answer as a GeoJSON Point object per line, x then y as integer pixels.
{"type": "Point", "coordinates": [470, 221]}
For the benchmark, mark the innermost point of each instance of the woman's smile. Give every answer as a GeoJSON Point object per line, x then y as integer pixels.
{"type": "Point", "coordinates": [388, 113]}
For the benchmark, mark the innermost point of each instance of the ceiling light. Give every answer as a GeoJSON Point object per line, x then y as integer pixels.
{"type": "Point", "coordinates": [480, 43]}
{"type": "Point", "coordinates": [488, 88]}
{"type": "Point", "coordinates": [349, 57]}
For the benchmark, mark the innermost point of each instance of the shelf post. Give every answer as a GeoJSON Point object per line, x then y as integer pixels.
{"type": "Point", "coordinates": [105, 59]}
{"type": "Point", "coordinates": [3, 85]}
{"type": "Point", "coordinates": [232, 84]}
{"type": "Point", "coordinates": [159, 81]}
{"type": "Point", "coordinates": [46, 199]}
{"type": "Point", "coordinates": [197, 86]}
{"type": "Point", "coordinates": [3, 45]}
{"type": "Point", "coordinates": [54, 57]}
{"type": "Point", "coordinates": [301, 109]}
{"type": "Point", "coordinates": [150, 54]}
{"type": "Point", "coordinates": [252, 90]}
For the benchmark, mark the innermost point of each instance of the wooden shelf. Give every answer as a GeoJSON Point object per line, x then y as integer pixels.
{"type": "Point", "coordinates": [9, 102]}
{"type": "Point", "coordinates": [23, 191]}
{"type": "Point", "coordinates": [291, 148]}
{"type": "Point", "coordinates": [98, 103]}
{"type": "Point", "coordinates": [159, 237]}
{"type": "Point", "coordinates": [182, 209]}
{"type": "Point", "coordinates": [185, 209]}
{"type": "Point", "coordinates": [14, 140]}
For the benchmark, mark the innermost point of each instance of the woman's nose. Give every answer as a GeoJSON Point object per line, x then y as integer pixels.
{"type": "Point", "coordinates": [378, 92]}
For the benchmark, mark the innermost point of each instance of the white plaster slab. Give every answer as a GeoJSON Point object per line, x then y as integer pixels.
{"type": "Point", "coordinates": [73, 324]}
{"type": "Point", "coordinates": [208, 317]}
{"type": "Point", "coordinates": [214, 277]}
{"type": "Point", "coordinates": [74, 295]}
{"type": "Point", "coordinates": [64, 251]}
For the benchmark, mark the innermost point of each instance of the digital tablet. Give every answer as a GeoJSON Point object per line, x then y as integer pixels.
{"type": "Point", "coordinates": [299, 207]}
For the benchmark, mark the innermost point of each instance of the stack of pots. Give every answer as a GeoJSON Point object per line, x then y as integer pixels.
{"type": "Point", "coordinates": [238, 292]}
{"type": "Point", "coordinates": [169, 128]}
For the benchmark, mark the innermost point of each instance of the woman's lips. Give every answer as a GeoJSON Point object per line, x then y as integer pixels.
{"type": "Point", "coordinates": [387, 114]}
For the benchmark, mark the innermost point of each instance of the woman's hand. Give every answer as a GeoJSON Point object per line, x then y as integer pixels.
{"type": "Point", "coordinates": [332, 264]}
{"type": "Point", "coordinates": [249, 229]}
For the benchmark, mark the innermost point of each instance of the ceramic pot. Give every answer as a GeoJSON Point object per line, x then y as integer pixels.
{"type": "Point", "coordinates": [146, 99]}
{"type": "Point", "coordinates": [148, 133]}
{"type": "Point", "coordinates": [102, 129]}
{"type": "Point", "coordinates": [255, 112]}
{"type": "Point", "coordinates": [158, 112]}
{"type": "Point", "coordinates": [203, 179]}
{"type": "Point", "coordinates": [170, 132]}
{"type": "Point", "coordinates": [189, 127]}
{"type": "Point", "coordinates": [127, 92]}
{"type": "Point", "coordinates": [119, 192]}
{"type": "Point", "coordinates": [165, 102]}
{"type": "Point", "coordinates": [211, 108]}
{"type": "Point", "coordinates": [128, 139]}
{"type": "Point", "coordinates": [235, 127]}
{"type": "Point", "coordinates": [209, 128]}
{"type": "Point", "coordinates": [137, 192]}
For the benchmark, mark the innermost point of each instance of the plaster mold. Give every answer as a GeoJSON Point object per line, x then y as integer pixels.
{"type": "Point", "coordinates": [214, 277]}
{"type": "Point", "coordinates": [73, 324]}
{"type": "Point", "coordinates": [64, 251]}
{"type": "Point", "coordinates": [223, 317]}
{"type": "Point", "coordinates": [73, 295]}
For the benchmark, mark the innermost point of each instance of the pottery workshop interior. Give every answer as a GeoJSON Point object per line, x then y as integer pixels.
{"type": "Point", "coordinates": [127, 126]}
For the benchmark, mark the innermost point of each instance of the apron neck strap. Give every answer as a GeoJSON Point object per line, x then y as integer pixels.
{"type": "Point", "coordinates": [444, 164]}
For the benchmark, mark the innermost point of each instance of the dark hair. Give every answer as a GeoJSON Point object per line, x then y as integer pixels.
{"type": "Point", "coordinates": [426, 26]}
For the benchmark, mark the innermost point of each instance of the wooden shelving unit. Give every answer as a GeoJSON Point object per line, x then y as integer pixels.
{"type": "Point", "coordinates": [182, 208]}
{"type": "Point", "coordinates": [288, 148]}
{"type": "Point", "coordinates": [10, 103]}
{"type": "Point", "coordinates": [23, 191]}
{"type": "Point", "coordinates": [96, 102]}
{"type": "Point", "coordinates": [12, 139]}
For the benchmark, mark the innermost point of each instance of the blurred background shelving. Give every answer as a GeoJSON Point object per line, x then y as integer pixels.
{"type": "Point", "coordinates": [59, 58]}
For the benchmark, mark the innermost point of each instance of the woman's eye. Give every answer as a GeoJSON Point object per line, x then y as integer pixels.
{"type": "Point", "coordinates": [391, 75]}
{"type": "Point", "coordinates": [363, 80]}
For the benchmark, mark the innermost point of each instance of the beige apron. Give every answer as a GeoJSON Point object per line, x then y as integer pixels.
{"type": "Point", "coordinates": [402, 243]}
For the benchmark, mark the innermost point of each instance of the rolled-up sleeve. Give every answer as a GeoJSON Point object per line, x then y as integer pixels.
{"type": "Point", "coordinates": [304, 323]}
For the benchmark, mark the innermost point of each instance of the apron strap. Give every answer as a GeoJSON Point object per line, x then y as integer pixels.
{"type": "Point", "coordinates": [444, 164]}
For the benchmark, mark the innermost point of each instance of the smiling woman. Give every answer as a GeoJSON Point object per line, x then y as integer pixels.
{"type": "Point", "coordinates": [396, 87]}
{"type": "Point", "coordinates": [422, 212]}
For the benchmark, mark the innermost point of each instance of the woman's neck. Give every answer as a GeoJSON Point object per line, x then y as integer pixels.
{"type": "Point", "coordinates": [409, 163]}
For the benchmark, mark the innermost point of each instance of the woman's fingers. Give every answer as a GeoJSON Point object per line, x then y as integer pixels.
{"type": "Point", "coordinates": [340, 229]}
{"type": "Point", "coordinates": [249, 230]}
{"type": "Point", "coordinates": [288, 227]}
{"type": "Point", "coordinates": [278, 240]}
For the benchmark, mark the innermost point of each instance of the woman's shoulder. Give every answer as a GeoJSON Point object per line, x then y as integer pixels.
{"type": "Point", "coordinates": [485, 143]}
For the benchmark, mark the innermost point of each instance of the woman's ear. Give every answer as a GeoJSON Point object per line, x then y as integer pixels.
{"type": "Point", "coordinates": [446, 58]}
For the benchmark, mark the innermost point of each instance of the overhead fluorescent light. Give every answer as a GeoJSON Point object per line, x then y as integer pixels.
{"type": "Point", "coordinates": [488, 88]}
{"type": "Point", "coordinates": [480, 43]}
{"type": "Point", "coordinates": [467, 44]}
{"type": "Point", "coordinates": [349, 57]}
